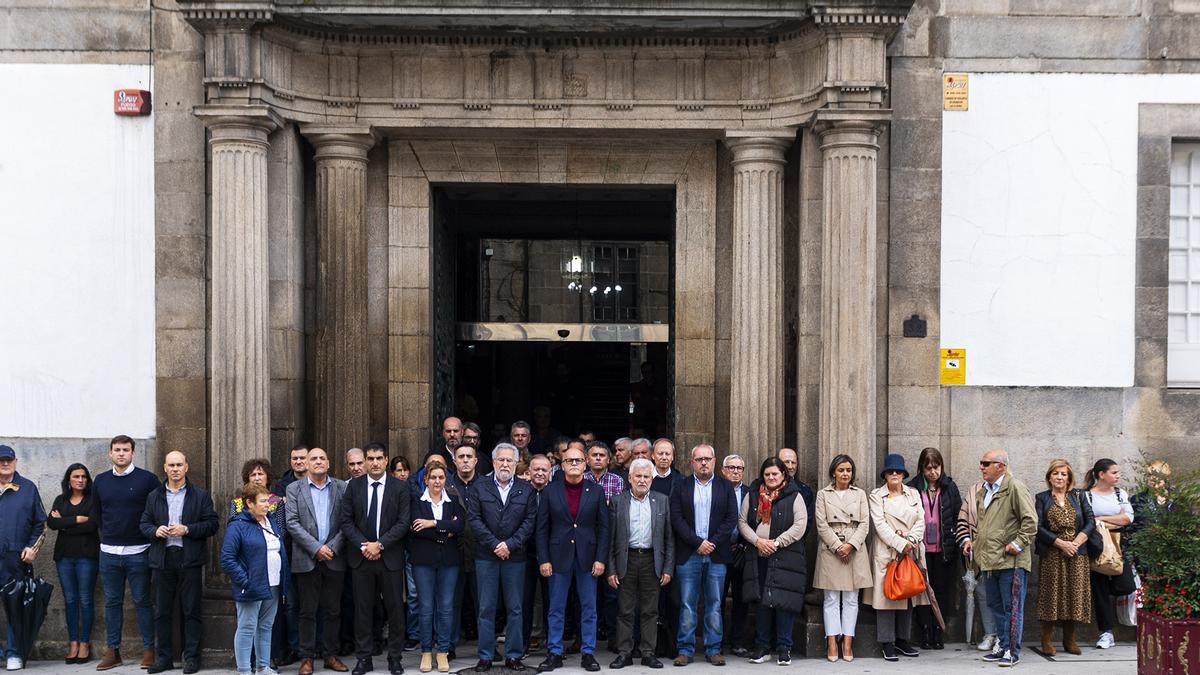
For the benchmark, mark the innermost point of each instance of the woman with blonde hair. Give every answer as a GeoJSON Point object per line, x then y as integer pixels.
{"type": "Point", "coordinates": [1064, 591]}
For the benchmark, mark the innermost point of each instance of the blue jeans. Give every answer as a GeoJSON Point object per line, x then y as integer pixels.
{"type": "Point", "coordinates": [254, 623]}
{"type": "Point", "coordinates": [700, 572]}
{"type": "Point", "coordinates": [114, 571]}
{"type": "Point", "coordinates": [585, 589]}
{"type": "Point", "coordinates": [77, 576]}
{"type": "Point", "coordinates": [1006, 599]}
{"type": "Point", "coordinates": [508, 575]}
{"type": "Point", "coordinates": [411, 623]}
{"type": "Point", "coordinates": [435, 600]}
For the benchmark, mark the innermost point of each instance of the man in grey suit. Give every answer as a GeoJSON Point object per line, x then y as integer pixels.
{"type": "Point", "coordinates": [643, 555]}
{"type": "Point", "coordinates": [313, 514]}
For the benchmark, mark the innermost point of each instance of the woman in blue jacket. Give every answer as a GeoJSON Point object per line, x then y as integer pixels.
{"type": "Point", "coordinates": [255, 559]}
{"type": "Point", "coordinates": [435, 555]}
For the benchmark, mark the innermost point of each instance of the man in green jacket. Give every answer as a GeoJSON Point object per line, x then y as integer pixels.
{"type": "Point", "coordinates": [1003, 548]}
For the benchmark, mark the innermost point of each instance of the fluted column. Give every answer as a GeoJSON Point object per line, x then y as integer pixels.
{"type": "Point", "coordinates": [850, 149]}
{"type": "Point", "coordinates": [239, 322]}
{"type": "Point", "coordinates": [342, 383]}
{"type": "Point", "coordinates": [756, 396]}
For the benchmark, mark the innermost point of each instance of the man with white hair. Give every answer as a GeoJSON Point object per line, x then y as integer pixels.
{"type": "Point", "coordinates": [643, 556]}
{"type": "Point", "coordinates": [501, 512]}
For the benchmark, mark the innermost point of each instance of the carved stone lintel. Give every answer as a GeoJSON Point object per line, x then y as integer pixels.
{"type": "Point", "coordinates": [756, 397]}
{"type": "Point", "coordinates": [235, 14]}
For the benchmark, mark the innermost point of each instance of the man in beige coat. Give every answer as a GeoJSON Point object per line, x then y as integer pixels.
{"type": "Point", "coordinates": [1003, 550]}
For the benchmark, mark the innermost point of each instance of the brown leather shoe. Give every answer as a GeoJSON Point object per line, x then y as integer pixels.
{"type": "Point", "coordinates": [147, 658]}
{"type": "Point", "coordinates": [306, 667]}
{"type": "Point", "coordinates": [682, 660]}
{"type": "Point", "coordinates": [715, 659]}
{"type": "Point", "coordinates": [335, 664]}
{"type": "Point", "coordinates": [111, 659]}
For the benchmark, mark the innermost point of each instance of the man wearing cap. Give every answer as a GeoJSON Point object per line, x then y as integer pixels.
{"type": "Point", "coordinates": [23, 522]}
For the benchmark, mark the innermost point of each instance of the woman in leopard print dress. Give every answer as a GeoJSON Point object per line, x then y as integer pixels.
{"type": "Point", "coordinates": [1064, 522]}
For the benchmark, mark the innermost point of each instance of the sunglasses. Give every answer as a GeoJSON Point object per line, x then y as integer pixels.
{"type": "Point", "coordinates": [985, 463]}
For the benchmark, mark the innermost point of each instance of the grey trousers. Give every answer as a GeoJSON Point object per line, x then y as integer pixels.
{"type": "Point", "coordinates": [638, 592]}
{"type": "Point", "coordinates": [891, 624]}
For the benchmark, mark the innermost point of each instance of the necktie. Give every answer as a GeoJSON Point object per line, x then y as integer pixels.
{"type": "Point", "coordinates": [373, 514]}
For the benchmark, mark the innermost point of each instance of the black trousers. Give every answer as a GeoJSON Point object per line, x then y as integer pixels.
{"type": "Point", "coordinates": [320, 591]}
{"type": "Point", "coordinates": [735, 629]}
{"type": "Point", "coordinates": [638, 591]}
{"type": "Point", "coordinates": [942, 578]}
{"type": "Point", "coordinates": [669, 604]}
{"type": "Point", "coordinates": [1102, 599]}
{"type": "Point", "coordinates": [371, 580]}
{"type": "Point", "coordinates": [175, 580]}
{"type": "Point", "coordinates": [534, 581]}
{"type": "Point", "coordinates": [606, 608]}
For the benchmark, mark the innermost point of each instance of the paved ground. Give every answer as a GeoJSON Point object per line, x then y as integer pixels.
{"type": "Point", "coordinates": [1120, 659]}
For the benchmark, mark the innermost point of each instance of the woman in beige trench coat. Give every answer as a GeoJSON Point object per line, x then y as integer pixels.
{"type": "Point", "coordinates": [843, 565]}
{"type": "Point", "coordinates": [899, 525]}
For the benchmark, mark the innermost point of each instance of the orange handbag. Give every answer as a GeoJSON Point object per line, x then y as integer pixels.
{"type": "Point", "coordinates": [903, 579]}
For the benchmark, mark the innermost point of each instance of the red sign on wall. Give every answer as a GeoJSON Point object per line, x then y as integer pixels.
{"type": "Point", "coordinates": [131, 102]}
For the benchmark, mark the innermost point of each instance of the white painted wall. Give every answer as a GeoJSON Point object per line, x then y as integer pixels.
{"type": "Point", "coordinates": [1039, 208]}
{"type": "Point", "coordinates": [76, 254]}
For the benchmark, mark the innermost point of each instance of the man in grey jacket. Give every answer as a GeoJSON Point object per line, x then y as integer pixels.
{"type": "Point", "coordinates": [313, 514]}
{"type": "Point", "coordinates": [643, 555]}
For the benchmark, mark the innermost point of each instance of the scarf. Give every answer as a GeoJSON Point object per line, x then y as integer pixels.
{"type": "Point", "coordinates": [766, 497]}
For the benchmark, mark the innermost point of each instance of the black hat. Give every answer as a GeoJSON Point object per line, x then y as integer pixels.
{"type": "Point", "coordinates": [893, 463]}
{"type": "Point", "coordinates": [6, 452]}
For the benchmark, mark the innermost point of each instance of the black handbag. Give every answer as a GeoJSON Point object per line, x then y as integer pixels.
{"type": "Point", "coordinates": [1095, 540]}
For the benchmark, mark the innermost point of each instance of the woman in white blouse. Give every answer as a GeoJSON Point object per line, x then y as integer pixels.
{"type": "Point", "coordinates": [1111, 505]}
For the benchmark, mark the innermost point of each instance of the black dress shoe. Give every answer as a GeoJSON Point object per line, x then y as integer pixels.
{"type": "Point", "coordinates": [190, 667]}
{"type": "Point", "coordinates": [620, 662]}
{"type": "Point", "coordinates": [363, 666]}
{"type": "Point", "coordinates": [552, 662]}
{"type": "Point", "coordinates": [740, 652]}
{"type": "Point", "coordinates": [514, 665]}
{"type": "Point", "coordinates": [396, 668]}
{"type": "Point", "coordinates": [651, 662]}
{"type": "Point", "coordinates": [483, 666]}
{"type": "Point", "coordinates": [589, 663]}
{"type": "Point", "coordinates": [160, 667]}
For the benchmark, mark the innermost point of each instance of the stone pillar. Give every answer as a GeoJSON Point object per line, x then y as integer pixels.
{"type": "Point", "coordinates": [756, 396]}
{"type": "Point", "coordinates": [850, 148]}
{"type": "Point", "coordinates": [342, 392]}
{"type": "Point", "coordinates": [240, 322]}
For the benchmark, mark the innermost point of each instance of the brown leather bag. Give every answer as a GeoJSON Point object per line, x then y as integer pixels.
{"type": "Point", "coordinates": [903, 579]}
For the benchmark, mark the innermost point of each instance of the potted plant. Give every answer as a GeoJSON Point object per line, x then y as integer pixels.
{"type": "Point", "coordinates": [1164, 544]}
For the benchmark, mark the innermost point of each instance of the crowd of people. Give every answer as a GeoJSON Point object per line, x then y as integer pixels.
{"type": "Point", "coordinates": [588, 543]}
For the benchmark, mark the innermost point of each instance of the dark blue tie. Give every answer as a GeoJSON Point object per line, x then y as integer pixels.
{"type": "Point", "coordinates": [373, 514]}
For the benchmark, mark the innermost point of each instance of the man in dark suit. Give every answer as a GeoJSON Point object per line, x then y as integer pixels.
{"type": "Point", "coordinates": [451, 439]}
{"type": "Point", "coordinates": [501, 513]}
{"type": "Point", "coordinates": [733, 469]}
{"type": "Point", "coordinates": [642, 559]}
{"type": "Point", "coordinates": [539, 478]}
{"type": "Point", "coordinates": [375, 518]}
{"type": "Point", "coordinates": [572, 547]}
{"type": "Point", "coordinates": [178, 520]}
{"type": "Point", "coordinates": [313, 516]}
{"type": "Point", "coordinates": [703, 515]}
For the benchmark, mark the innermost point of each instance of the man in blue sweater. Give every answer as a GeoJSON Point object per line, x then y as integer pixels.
{"type": "Point", "coordinates": [22, 524]}
{"type": "Point", "coordinates": [119, 499]}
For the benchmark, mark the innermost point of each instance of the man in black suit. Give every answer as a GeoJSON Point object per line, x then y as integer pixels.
{"type": "Point", "coordinates": [733, 468]}
{"type": "Point", "coordinates": [703, 515]}
{"type": "Point", "coordinates": [375, 518]}
{"type": "Point", "coordinates": [539, 478]}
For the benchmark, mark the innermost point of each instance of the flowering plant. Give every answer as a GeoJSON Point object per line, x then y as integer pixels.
{"type": "Point", "coordinates": [1165, 543]}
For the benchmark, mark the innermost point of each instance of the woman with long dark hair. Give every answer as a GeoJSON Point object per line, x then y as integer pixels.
{"type": "Point", "coordinates": [940, 502]}
{"type": "Point", "coordinates": [1111, 506]}
{"type": "Point", "coordinates": [77, 556]}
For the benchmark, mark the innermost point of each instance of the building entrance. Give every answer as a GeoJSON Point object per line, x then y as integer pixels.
{"type": "Point", "coordinates": [562, 308]}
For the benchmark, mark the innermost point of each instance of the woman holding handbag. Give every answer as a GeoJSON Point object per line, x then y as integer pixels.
{"type": "Point", "coordinates": [1110, 505]}
{"type": "Point", "coordinates": [1064, 524]}
{"type": "Point", "coordinates": [899, 522]}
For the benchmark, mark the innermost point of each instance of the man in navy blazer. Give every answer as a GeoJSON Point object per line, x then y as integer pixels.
{"type": "Point", "coordinates": [502, 511]}
{"type": "Point", "coordinates": [375, 518]}
{"type": "Point", "coordinates": [703, 515]}
{"type": "Point", "coordinates": [572, 547]}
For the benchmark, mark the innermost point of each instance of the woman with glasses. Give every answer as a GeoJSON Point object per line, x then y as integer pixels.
{"type": "Point", "coordinates": [899, 523]}
{"type": "Point", "coordinates": [843, 567]}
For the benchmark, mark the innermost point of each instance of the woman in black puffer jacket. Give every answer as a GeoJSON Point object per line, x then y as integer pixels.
{"type": "Point", "coordinates": [772, 519]}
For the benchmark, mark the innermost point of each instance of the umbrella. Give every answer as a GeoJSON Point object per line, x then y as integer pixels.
{"type": "Point", "coordinates": [969, 584]}
{"type": "Point", "coordinates": [25, 600]}
{"type": "Point", "coordinates": [933, 603]}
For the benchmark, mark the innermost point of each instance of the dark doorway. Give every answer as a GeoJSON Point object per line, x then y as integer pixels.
{"type": "Point", "coordinates": [562, 307]}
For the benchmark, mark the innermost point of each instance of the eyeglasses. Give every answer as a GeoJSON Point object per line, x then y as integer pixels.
{"type": "Point", "coordinates": [573, 460]}
{"type": "Point", "coordinates": [706, 460]}
{"type": "Point", "coordinates": [732, 467]}
{"type": "Point", "coordinates": [983, 463]}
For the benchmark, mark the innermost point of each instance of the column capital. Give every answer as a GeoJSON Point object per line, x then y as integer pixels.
{"type": "Point", "coordinates": [340, 141]}
{"type": "Point", "coordinates": [849, 127]}
{"type": "Point", "coordinates": [238, 123]}
{"type": "Point", "coordinates": [759, 145]}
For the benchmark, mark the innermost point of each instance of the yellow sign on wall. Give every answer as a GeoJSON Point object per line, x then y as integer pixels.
{"type": "Point", "coordinates": [955, 91]}
{"type": "Point", "coordinates": [954, 366]}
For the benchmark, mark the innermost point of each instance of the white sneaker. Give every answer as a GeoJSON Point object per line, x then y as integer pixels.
{"type": "Point", "coordinates": [15, 663]}
{"type": "Point", "coordinates": [1106, 641]}
{"type": "Point", "coordinates": [987, 644]}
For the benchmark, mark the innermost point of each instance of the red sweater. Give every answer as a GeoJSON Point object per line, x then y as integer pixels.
{"type": "Point", "coordinates": [574, 494]}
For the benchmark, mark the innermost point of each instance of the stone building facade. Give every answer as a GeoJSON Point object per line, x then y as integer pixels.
{"type": "Point", "coordinates": [301, 148]}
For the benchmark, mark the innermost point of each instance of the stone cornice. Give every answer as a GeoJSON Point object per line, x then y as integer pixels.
{"type": "Point", "coordinates": [238, 123]}
{"type": "Point", "coordinates": [208, 15]}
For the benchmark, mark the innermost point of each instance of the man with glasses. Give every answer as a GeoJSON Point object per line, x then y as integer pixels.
{"type": "Point", "coordinates": [733, 468]}
{"type": "Point", "coordinates": [472, 436]}
{"type": "Point", "coordinates": [613, 485]}
{"type": "Point", "coordinates": [703, 516]}
{"type": "Point", "coordinates": [539, 478]}
{"type": "Point", "coordinates": [501, 512]}
{"type": "Point", "coordinates": [1002, 549]}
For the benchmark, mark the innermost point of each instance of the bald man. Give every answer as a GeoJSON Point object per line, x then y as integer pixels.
{"type": "Point", "coordinates": [178, 520]}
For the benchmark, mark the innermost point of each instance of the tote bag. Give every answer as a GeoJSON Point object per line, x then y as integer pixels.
{"type": "Point", "coordinates": [1109, 562]}
{"type": "Point", "coordinates": [903, 579]}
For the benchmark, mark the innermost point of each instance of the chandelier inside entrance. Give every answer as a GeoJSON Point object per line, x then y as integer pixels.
{"type": "Point", "coordinates": [578, 278]}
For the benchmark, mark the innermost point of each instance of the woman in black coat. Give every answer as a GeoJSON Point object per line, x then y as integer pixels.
{"type": "Point", "coordinates": [940, 501]}
{"type": "Point", "coordinates": [436, 558]}
{"type": "Point", "coordinates": [77, 556]}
